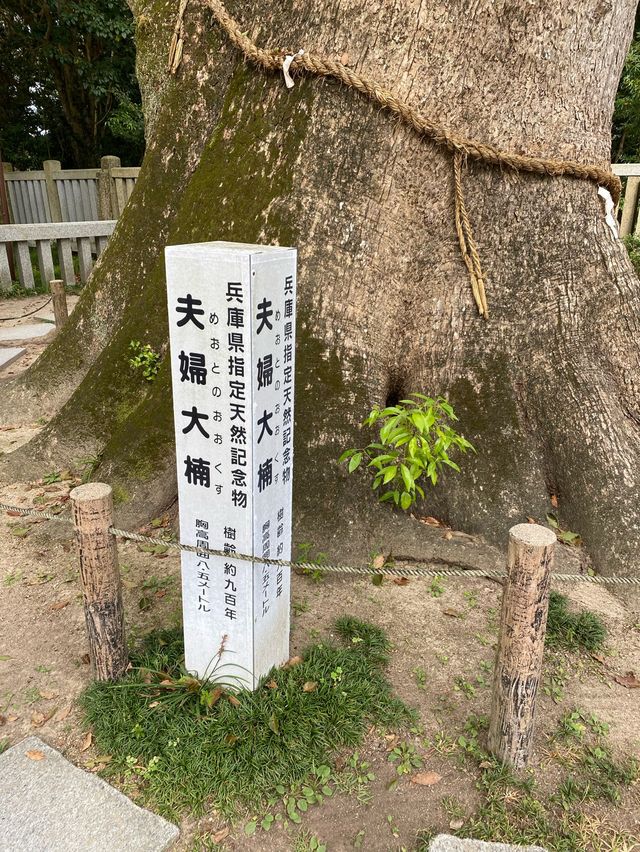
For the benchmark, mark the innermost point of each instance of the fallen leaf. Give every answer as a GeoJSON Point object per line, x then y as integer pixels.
{"type": "Point", "coordinates": [377, 579]}
{"type": "Point", "coordinates": [48, 695]}
{"type": "Point", "coordinates": [235, 702]}
{"type": "Point", "coordinates": [599, 657]}
{"type": "Point", "coordinates": [86, 742]}
{"type": "Point", "coordinates": [630, 681]}
{"type": "Point", "coordinates": [64, 713]}
{"type": "Point", "coordinates": [485, 764]}
{"type": "Point", "coordinates": [448, 535]}
{"type": "Point", "coordinates": [3, 719]}
{"type": "Point", "coordinates": [455, 824]}
{"type": "Point", "coordinates": [401, 581]}
{"type": "Point", "coordinates": [531, 520]}
{"type": "Point", "coordinates": [11, 718]}
{"type": "Point", "coordinates": [452, 613]}
{"type": "Point", "coordinates": [433, 522]}
{"type": "Point", "coordinates": [86, 659]}
{"type": "Point", "coordinates": [166, 682]}
{"type": "Point", "coordinates": [35, 754]}
{"type": "Point", "coordinates": [345, 59]}
{"type": "Point", "coordinates": [15, 514]}
{"type": "Point", "coordinates": [291, 662]}
{"type": "Point", "coordinates": [38, 719]}
{"type": "Point", "coordinates": [154, 704]}
{"type": "Point", "coordinates": [220, 835]}
{"type": "Point", "coordinates": [273, 724]}
{"type": "Point", "coordinates": [59, 605]}
{"type": "Point", "coordinates": [554, 501]}
{"type": "Point", "coordinates": [271, 684]}
{"type": "Point", "coordinates": [310, 686]}
{"type": "Point", "coordinates": [214, 696]}
{"type": "Point", "coordinates": [426, 779]}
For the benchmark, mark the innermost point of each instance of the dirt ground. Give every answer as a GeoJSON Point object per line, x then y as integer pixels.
{"type": "Point", "coordinates": [44, 667]}
{"type": "Point", "coordinates": [442, 639]}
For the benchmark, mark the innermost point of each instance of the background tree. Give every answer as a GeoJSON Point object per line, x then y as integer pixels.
{"type": "Point", "coordinates": [547, 389]}
{"type": "Point", "coordinates": [626, 118]}
{"type": "Point", "coordinates": [67, 83]}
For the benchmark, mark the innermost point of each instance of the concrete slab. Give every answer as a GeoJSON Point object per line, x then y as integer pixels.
{"type": "Point", "coordinates": [9, 354]}
{"type": "Point", "coordinates": [49, 805]}
{"type": "Point", "coordinates": [29, 331]}
{"type": "Point", "coordinates": [447, 843]}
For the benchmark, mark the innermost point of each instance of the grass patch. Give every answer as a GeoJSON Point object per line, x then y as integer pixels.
{"type": "Point", "coordinates": [514, 810]}
{"type": "Point", "coordinates": [181, 743]}
{"type": "Point", "coordinates": [582, 630]}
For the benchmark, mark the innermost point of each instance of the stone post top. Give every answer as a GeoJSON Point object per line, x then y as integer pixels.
{"type": "Point", "coordinates": [533, 535]}
{"type": "Point", "coordinates": [91, 491]}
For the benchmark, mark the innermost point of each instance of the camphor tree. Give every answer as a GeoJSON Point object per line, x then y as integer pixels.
{"type": "Point", "coordinates": [547, 388]}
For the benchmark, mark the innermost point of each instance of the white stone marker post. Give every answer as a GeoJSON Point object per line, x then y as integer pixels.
{"type": "Point", "coordinates": [232, 337]}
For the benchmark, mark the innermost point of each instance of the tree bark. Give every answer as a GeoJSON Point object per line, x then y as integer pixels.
{"type": "Point", "coordinates": [547, 389]}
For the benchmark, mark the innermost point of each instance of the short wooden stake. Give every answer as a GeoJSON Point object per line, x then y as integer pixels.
{"type": "Point", "coordinates": [59, 297]}
{"type": "Point", "coordinates": [104, 613]}
{"type": "Point", "coordinates": [525, 604]}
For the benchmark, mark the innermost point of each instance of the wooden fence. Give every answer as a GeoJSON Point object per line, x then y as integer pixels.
{"type": "Point", "coordinates": [88, 239]}
{"type": "Point", "coordinates": [69, 195]}
{"type": "Point", "coordinates": [629, 218]}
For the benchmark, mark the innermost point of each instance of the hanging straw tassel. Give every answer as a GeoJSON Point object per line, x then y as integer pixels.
{"type": "Point", "coordinates": [468, 245]}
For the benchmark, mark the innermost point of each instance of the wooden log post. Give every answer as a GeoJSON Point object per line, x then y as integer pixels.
{"type": "Point", "coordinates": [525, 604]}
{"type": "Point", "coordinates": [107, 204]}
{"type": "Point", "coordinates": [59, 298]}
{"type": "Point", "coordinates": [104, 613]}
{"type": "Point", "coordinates": [5, 216]}
{"type": "Point", "coordinates": [55, 209]}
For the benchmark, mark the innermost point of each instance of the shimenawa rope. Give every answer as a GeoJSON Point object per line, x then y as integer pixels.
{"type": "Point", "coordinates": [460, 147]}
{"type": "Point", "coordinates": [328, 568]}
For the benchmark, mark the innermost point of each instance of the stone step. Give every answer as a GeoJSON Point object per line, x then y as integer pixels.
{"type": "Point", "coordinates": [49, 805]}
{"type": "Point", "coordinates": [9, 354]}
{"type": "Point", "coordinates": [30, 331]}
{"type": "Point", "coordinates": [448, 843]}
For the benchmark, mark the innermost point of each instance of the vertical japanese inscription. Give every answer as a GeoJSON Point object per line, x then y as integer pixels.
{"type": "Point", "coordinates": [232, 333]}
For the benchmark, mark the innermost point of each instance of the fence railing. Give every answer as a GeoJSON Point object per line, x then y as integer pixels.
{"type": "Point", "coordinates": [69, 195]}
{"type": "Point", "coordinates": [85, 239]}
{"type": "Point", "coordinates": [629, 219]}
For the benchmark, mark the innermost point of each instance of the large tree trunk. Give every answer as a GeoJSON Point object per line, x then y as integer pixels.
{"type": "Point", "coordinates": [547, 388]}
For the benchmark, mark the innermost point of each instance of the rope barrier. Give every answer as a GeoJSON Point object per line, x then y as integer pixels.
{"type": "Point", "coordinates": [460, 147]}
{"type": "Point", "coordinates": [28, 314]}
{"type": "Point", "coordinates": [417, 571]}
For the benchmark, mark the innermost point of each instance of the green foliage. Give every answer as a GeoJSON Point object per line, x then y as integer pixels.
{"type": "Point", "coordinates": [415, 439]}
{"type": "Point", "coordinates": [626, 119]}
{"type": "Point", "coordinates": [405, 757]}
{"type": "Point", "coordinates": [145, 359]}
{"type": "Point", "coordinates": [573, 630]}
{"type": "Point", "coordinates": [632, 244]}
{"type": "Point", "coordinates": [68, 89]}
{"type": "Point", "coordinates": [239, 748]}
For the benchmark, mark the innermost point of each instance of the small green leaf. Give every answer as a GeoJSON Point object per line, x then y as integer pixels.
{"type": "Point", "coordinates": [355, 462]}
{"type": "Point", "coordinates": [346, 455]}
{"type": "Point", "coordinates": [389, 473]}
{"type": "Point", "coordinates": [250, 827]}
{"type": "Point", "coordinates": [405, 500]}
{"type": "Point", "coordinates": [406, 478]}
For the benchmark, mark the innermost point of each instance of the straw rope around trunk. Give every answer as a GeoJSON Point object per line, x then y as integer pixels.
{"type": "Point", "coordinates": [460, 147]}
